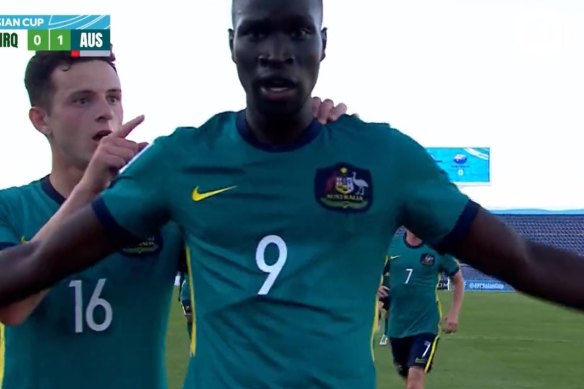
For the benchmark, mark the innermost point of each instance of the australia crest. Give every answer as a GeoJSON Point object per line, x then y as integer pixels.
{"type": "Point", "coordinates": [344, 187]}
{"type": "Point", "coordinates": [148, 247]}
{"type": "Point", "coordinates": [427, 259]}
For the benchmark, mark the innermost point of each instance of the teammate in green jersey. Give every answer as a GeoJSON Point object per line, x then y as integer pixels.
{"type": "Point", "coordinates": [186, 303]}
{"type": "Point", "coordinates": [415, 313]}
{"type": "Point", "coordinates": [89, 319]}
{"type": "Point", "coordinates": [385, 303]}
{"type": "Point", "coordinates": [287, 221]}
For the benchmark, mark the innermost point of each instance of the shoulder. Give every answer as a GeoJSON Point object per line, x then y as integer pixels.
{"type": "Point", "coordinates": [211, 128]}
{"type": "Point", "coordinates": [377, 134]}
{"type": "Point", "coordinates": [16, 194]}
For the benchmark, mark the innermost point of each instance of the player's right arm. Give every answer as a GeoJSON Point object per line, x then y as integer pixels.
{"type": "Point", "coordinates": [113, 153]}
{"type": "Point", "coordinates": [435, 210]}
{"type": "Point", "coordinates": [132, 209]}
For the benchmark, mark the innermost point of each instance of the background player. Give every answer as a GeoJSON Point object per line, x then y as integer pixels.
{"type": "Point", "coordinates": [266, 251]}
{"type": "Point", "coordinates": [88, 320]}
{"type": "Point", "coordinates": [385, 303]}
{"type": "Point", "coordinates": [185, 302]}
{"type": "Point", "coordinates": [415, 313]}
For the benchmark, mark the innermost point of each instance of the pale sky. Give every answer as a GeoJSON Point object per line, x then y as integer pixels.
{"type": "Point", "coordinates": [504, 74]}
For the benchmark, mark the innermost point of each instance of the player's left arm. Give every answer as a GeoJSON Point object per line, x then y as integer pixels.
{"type": "Point", "coordinates": [452, 270]}
{"type": "Point", "coordinates": [435, 210]}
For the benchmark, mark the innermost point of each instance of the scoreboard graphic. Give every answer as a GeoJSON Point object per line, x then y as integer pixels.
{"type": "Point", "coordinates": [81, 35]}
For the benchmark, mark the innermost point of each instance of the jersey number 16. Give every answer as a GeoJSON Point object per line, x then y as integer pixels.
{"type": "Point", "coordinates": [96, 301]}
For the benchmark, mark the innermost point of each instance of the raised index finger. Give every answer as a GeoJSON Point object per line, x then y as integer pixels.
{"type": "Point", "coordinates": [125, 130]}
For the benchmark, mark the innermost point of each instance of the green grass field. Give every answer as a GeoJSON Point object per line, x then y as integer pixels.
{"type": "Point", "coordinates": [505, 340]}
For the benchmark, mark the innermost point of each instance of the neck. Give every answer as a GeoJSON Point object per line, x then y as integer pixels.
{"type": "Point", "coordinates": [64, 177]}
{"type": "Point", "coordinates": [279, 129]}
{"type": "Point", "coordinates": [413, 240]}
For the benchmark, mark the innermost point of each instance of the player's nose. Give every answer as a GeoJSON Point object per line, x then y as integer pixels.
{"type": "Point", "coordinates": [276, 52]}
{"type": "Point", "coordinates": [104, 111]}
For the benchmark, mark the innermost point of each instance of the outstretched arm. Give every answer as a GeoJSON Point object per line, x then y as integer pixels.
{"type": "Point", "coordinates": [435, 210]}
{"type": "Point", "coordinates": [541, 271]}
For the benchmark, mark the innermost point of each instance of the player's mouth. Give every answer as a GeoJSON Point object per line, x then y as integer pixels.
{"type": "Point", "coordinates": [102, 134]}
{"type": "Point", "coordinates": [277, 88]}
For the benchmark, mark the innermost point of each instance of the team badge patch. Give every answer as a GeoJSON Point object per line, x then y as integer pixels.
{"type": "Point", "coordinates": [427, 259]}
{"type": "Point", "coordinates": [145, 248]}
{"type": "Point", "coordinates": [344, 187]}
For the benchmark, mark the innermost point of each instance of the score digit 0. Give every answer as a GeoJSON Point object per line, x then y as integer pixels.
{"type": "Point", "coordinates": [38, 40]}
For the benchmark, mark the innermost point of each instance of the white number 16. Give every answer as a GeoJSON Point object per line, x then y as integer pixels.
{"type": "Point", "coordinates": [274, 269]}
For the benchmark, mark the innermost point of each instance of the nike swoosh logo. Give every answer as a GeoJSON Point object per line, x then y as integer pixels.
{"type": "Point", "coordinates": [202, 196]}
{"type": "Point", "coordinates": [394, 257]}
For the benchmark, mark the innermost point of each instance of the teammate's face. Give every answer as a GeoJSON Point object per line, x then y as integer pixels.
{"type": "Point", "coordinates": [86, 106]}
{"type": "Point", "coordinates": [277, 47]}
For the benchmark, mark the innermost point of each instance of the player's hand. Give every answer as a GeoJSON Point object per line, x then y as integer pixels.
{"type": "Point", "coordinates": [383, 291]}
{"type": "Point", "coordinates": [450, 323]}
{"type": "Point", "coordinates": [326, 111]}
{"type": "Point", "coordinates": [113, 153]}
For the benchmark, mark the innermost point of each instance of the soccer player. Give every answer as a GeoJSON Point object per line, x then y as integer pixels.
{"type": "Point", "coordinates": [185, 302]}
{"type": "Point", "coordinates": [385, 302]}
{"type": "Point", "coordinates": [88, 321]}
{"type": "Point", "coordinates": [415, 313]}
{"type": "Point", "coordinates": [287, 221]}
{"type": "Point", "coordinates": [80, 332]}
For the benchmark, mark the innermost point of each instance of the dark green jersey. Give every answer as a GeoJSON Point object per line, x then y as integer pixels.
{"type": "Point", "coordinates": [287, 242]}
{"type": "Point", "coordinates": [415, 272]}
{"type": "Point", "coordinates": [102, 328]}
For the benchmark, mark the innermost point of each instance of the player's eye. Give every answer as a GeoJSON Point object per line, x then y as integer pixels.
{"type": "Point", "coordinates": [256, 34]}
{"type": "Point", "coordinates": [300, 34]}
{"type": "Point", "coordinates": [113, 99]}
{"type": "Point", "coordinates": [81, 100]}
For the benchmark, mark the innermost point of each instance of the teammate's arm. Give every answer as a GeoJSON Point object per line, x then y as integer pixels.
{"type": "Point", "coordinates": [435, 210]}
{"type": "Point", "coordinates": [450, 321]}
{"type": "Point", "coordinates": [81, 241]}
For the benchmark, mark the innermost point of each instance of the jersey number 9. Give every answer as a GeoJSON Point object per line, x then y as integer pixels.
{"type": "Point", "coordinates": [274, 269]}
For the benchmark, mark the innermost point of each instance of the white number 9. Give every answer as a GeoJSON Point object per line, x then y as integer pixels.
{"type": "Point", "coordinates": [274, 269]}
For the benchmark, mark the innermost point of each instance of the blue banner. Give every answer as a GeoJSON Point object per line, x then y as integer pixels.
{"type": "Point", "coordinates": [54, 22]}
{"type": "Point", "coordinates": [487, 286]}
{"type": "Point", "coordinates": [464, 165]}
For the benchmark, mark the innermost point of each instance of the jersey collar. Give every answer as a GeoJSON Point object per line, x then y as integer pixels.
{"type": "Point", "coordinates": [50, 190]}
{"type": "Point", "coordinates": [308, 136]}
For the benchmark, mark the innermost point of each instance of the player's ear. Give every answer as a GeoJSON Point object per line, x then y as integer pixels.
{"type": "Point", "coordinates": [231, 36]}
{"type": "Point", "coordinates": [323, 34]}
{"type": "Point", "coordinates": [38, 118]}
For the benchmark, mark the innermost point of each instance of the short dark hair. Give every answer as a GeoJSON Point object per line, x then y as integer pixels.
{"type": "Point", "coordinates": [37, 77]}
{"type": "Point", "coordinates": [233, 15]}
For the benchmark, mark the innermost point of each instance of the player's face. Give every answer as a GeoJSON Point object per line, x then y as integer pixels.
{"type": "Point", "coordinates": [277, 47]}
{"type": "Point", "coordinates": [86, 106]}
